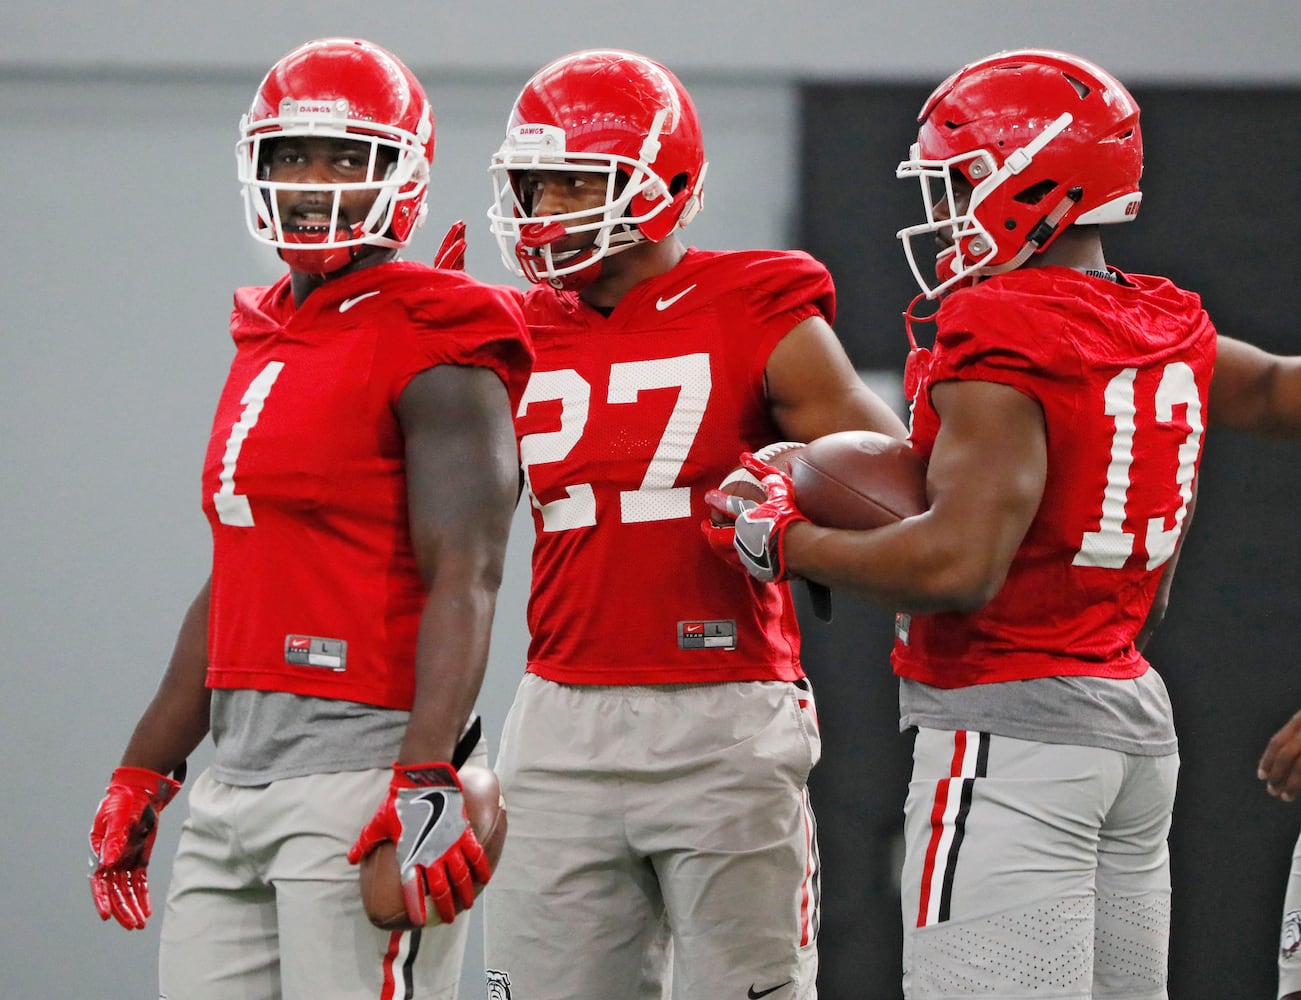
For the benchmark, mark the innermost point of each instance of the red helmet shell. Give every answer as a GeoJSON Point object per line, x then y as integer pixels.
{"type": "Point", "coordinates": [1002, 103]}
{"type": "Point", "coordinates": [607, 102]}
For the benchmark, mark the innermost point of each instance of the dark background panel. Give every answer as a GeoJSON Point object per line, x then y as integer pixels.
{"type": "Point", "coordinates": [1218, 216]}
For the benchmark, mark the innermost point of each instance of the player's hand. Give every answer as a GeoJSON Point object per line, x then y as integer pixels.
{"type": "Point", "coordinates": [1280, 764]}
{"type": "Point", "coordinates": [121, 840]}
{"type": "Point", "coordinates": [451, 254]}
{"type": "Point", "coordinates": [722, 537]}
{"type": "Point", "coordinates": [438, 854]}
{"type": "Point", "coordinates": [722, 540]}
{"type": "Point", "coordinates": [761, 530]}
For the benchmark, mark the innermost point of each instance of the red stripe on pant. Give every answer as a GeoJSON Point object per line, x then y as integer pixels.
{"type": "Point", "coordinates": [809, 902]}
{"type": "Point", "coordinates": [398, 978]}
{"type": "Point", "coordinates": [938, 807]}
{"type": "Point", "coordinates": [948, 819]}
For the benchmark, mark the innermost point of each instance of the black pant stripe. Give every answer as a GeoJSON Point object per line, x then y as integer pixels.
{"type": "Point", "coordinates": [960, 825]}
{"type": "Point", "coordinates": [409, 968]}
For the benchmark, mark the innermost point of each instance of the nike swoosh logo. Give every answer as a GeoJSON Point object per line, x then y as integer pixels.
{"type": "Point", "coordinates": [436, 801]}
{"type": "Point", "coordinates": [662, 304]}
{"type": "Point", "coordinates": [754, 994]}
{"type": "Point", "coordinates": [760, 557]}
{"type": "Point", "coordinates": [347, 304]}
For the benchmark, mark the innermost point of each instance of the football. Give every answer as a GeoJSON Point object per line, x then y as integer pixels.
{"type": "Point", "coordinates": [858, 480]}
{"type": "Point", "coordinates": [739, 482]}
{"type": "Point", "coordinates": [381, 888]}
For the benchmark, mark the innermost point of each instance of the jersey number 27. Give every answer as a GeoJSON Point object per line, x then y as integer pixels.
{"type": "Point", "coordinates": [657, 498]}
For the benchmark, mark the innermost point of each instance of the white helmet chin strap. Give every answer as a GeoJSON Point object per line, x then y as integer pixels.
{"type": "Point", "coordinates": [1019, 159]}
{"type": "Point", "coordinates": [1016, 162]}
{"type": "Point", "coordinates": [697, 200]}
{"type": "Point", "coordinates": [650, 147]}
{"type": "Point", "coordinates": [1038, 236]}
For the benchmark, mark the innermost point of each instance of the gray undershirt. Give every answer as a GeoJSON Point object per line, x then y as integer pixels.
{"type": "Point", "coordinates": [263, 736]}
{"type": "Point", "coordinates": [1132, 716]}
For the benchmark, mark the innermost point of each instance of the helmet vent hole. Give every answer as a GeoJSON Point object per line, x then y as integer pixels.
{"type": "Point", "coordinates": [1081, 88]}
{"type": "Point", "coordinates": [1035, 193]}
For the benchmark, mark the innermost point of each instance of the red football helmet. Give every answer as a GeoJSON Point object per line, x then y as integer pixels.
{"type": "Point", "coordinates": [615, 114]}
{"type": "Point", "coordinates": [1042, 140]}
{"type": "Point", "coordinates": [342, 88]}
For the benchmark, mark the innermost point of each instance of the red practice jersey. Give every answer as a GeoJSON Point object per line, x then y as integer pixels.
{"type": "Point", "coordinates": [1122, 373]}
{"type": "Point", "coordinates": [626, 422]}
{"type": "Point", "coordinates": [315, 588]}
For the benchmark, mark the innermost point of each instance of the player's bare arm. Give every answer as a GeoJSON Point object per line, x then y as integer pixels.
{"type": "Point", "coordinates": [462, 479]}
{"type": "Point", "coordinates": [985, 481]}
{"type": "Point", "coordinates": [1280, 764]}
{"type": "Point", "coordinates": [1253, 390]}
{"type": "Point", "coordinates": [813, 389]}
{"type": "Point", "coordinates": [126, 823]}
{"type": "Point", "coordinates": [176, 720]}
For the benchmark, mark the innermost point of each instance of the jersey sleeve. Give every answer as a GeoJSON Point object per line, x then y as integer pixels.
{"type": "Point", "coordinates": [787, 287]}
{"type": "Point", "coordinates": [778, 290]}
{"type": "Point", "coordinates": [456, 320]}
{"type": "Point", "coordinates": [990, 338]}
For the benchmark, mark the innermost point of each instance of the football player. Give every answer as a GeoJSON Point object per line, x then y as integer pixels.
{"type": "Point", "coordinates": [657, 752]}
{"type": "Point", "coordinates": [359, 482]}
{"type": "Point", "coordinates": [1061, 411]}
{"type": "Point", "coordinates": [1260, 392]}
{"type": "Point", "coordinates": [1280, 769]}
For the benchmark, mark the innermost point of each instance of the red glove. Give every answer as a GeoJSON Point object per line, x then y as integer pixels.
{"type": "Point", "coordinates": [722, 537]}
{"type": "Point", "coordinates": [451, 254]}
{"type": "Point", "coordinates": [438, 854]}
{"type": "Point", "coordinates": [121, 840]}
{"type": "Point", "coordinates": [760, 531]}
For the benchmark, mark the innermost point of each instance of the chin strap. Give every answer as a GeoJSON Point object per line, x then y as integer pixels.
{"type": "Point", "coordinates": [1042, 233]}
{"type": "Point", "coordinates": [919, 358]}
{"type": "Point", "coordinates": [307, 256]}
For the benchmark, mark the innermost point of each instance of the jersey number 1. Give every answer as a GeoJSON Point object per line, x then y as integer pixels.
{"type": "Point", "coordinates": [233, 508]}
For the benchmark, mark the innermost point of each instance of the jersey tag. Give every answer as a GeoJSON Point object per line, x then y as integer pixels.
{"type": "Point", "coordinates": [902, 623]}
{"type": "Point", "coordinates": [707, 635]}
{"type": "Point", "coordinates": [311, 651]}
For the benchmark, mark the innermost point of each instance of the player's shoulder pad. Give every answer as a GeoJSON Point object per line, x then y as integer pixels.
{"type": "Point", "coordinates": [457, 319]}
{"type": "Point", "coordinates": [440, 298]}
{"type": "Point", "coordinates": [785, 281]}
{"type": "Point", "coordinates": [775, 266]}
{"type": "Point", "coordinates": [259, 309]}
{"type": "Point", "coordinates": [1004, 324]}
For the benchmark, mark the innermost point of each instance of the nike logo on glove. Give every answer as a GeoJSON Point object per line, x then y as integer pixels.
{"type": "Point", "coordinates": [754, 994]}
{"type": "Point", "coordinates": [662, 304]}
{"type": "Point", "coordinates": [347, 304]}
{"type": "Point", "coordinates": [436, 800]}
{"type": "Point", "coordinates": [759, 558]}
